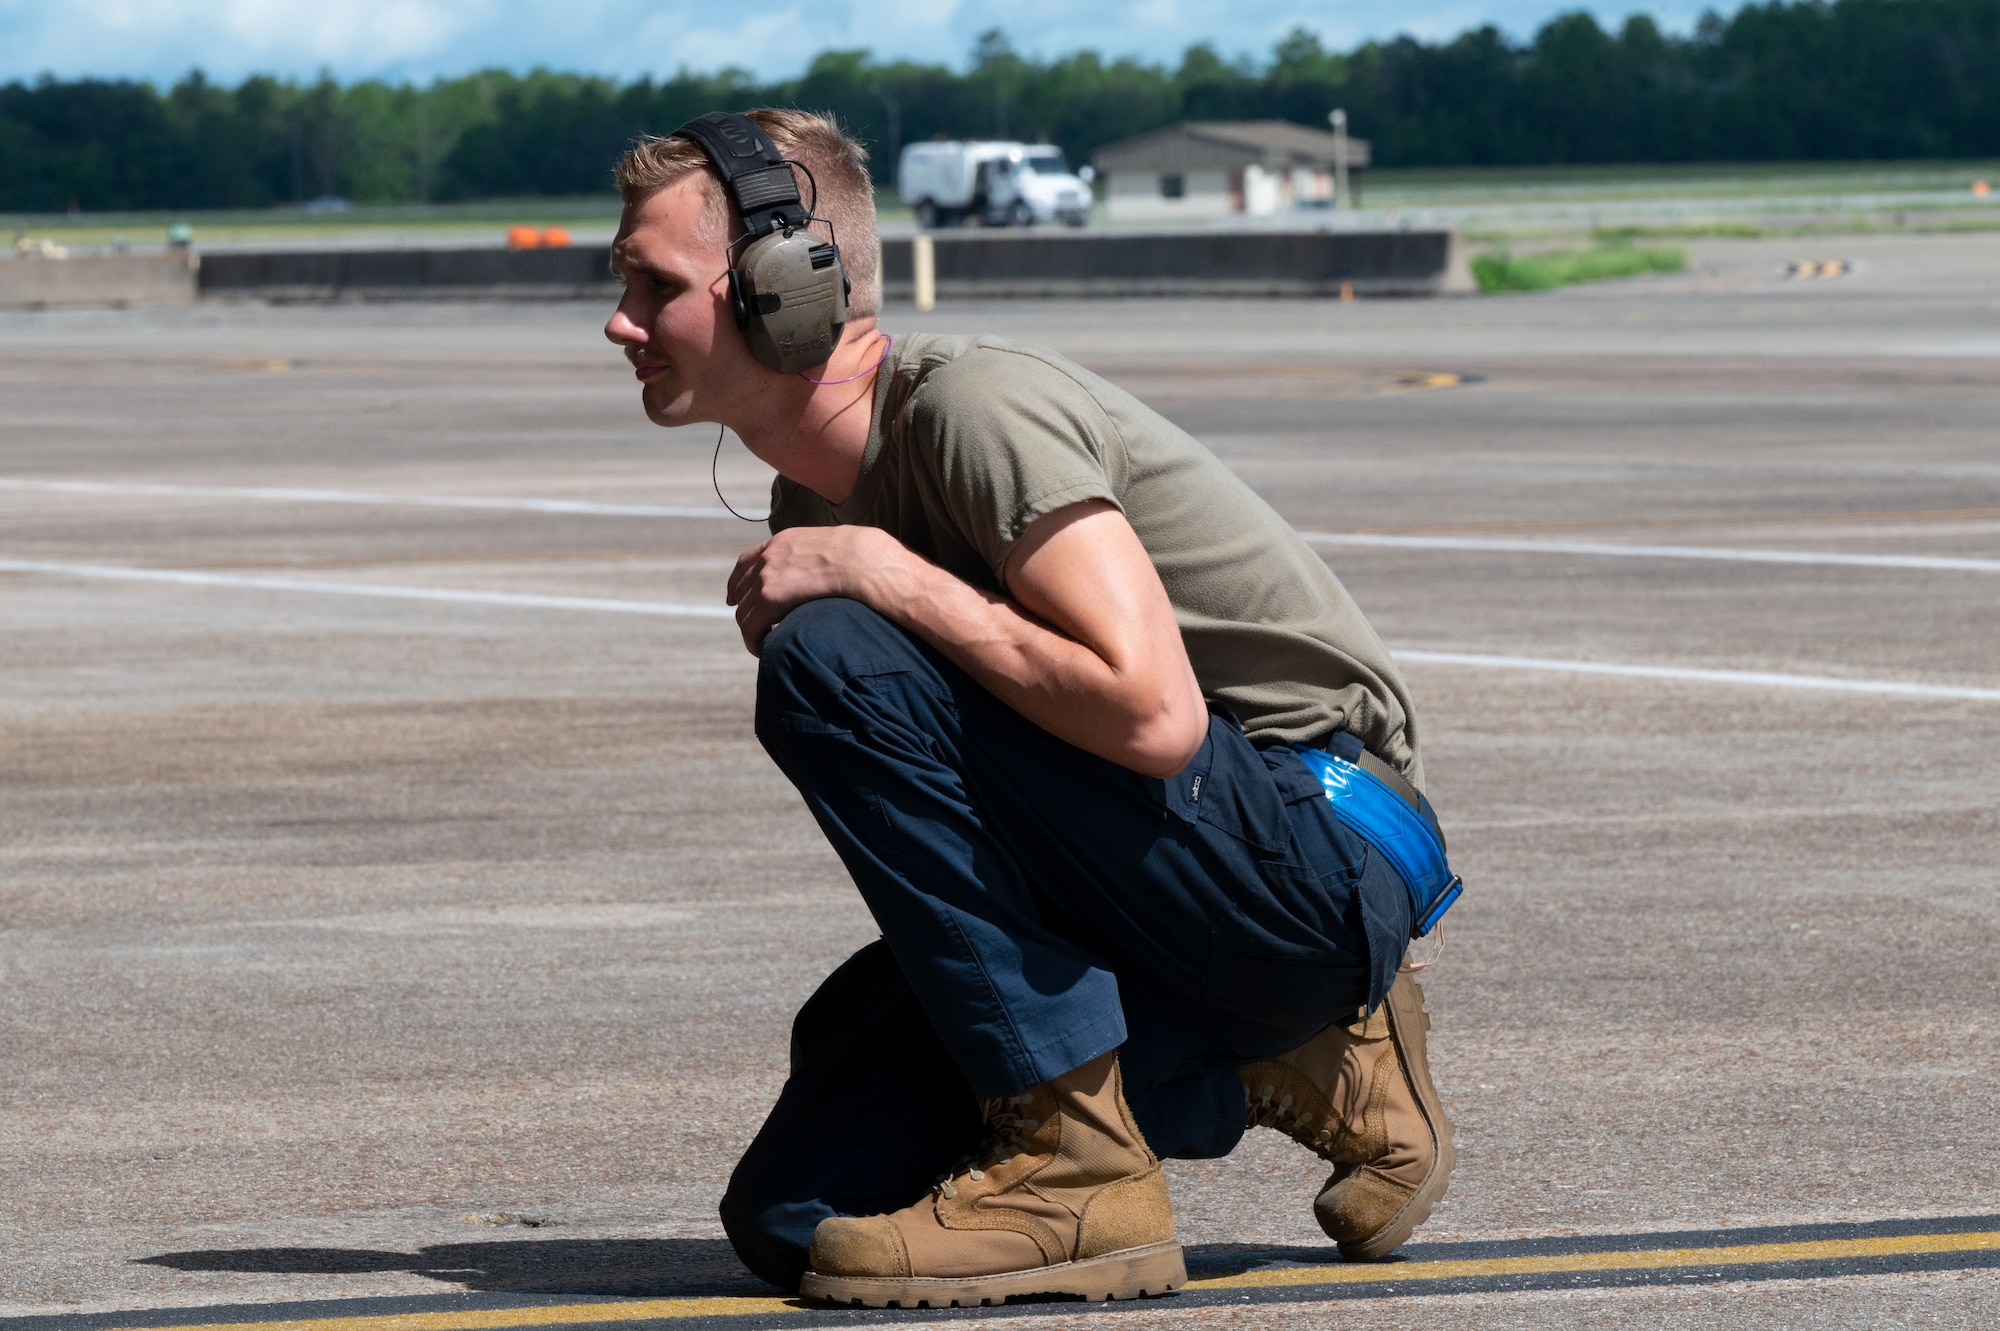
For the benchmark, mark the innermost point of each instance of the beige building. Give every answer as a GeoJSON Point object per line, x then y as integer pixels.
{"type": "Point", "coordinates": [1213, 168]}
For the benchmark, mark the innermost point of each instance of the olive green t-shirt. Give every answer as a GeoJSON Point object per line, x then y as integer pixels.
{"type": "Point", "coordinates": [974, 438]}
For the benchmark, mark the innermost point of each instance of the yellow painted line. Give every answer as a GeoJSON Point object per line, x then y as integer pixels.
{"type": "Point", "coordinates": [650, 1310]}
{"type": "Point", "coordinates": [1654, 1259]}
{"type": "Point", "coordinates": [474, 1319]}
{"type": "Point", "coordinates": [1435, 379]}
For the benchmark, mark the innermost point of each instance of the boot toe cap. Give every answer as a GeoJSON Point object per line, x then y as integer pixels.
{"type": "Point", "coordinates": [859, 1246]}
{"type": "Point", "coordinates": [1356, 1208]}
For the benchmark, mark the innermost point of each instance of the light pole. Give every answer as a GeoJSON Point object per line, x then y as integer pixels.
{"type": "Point", "coordinates": [423, 153]}
{"type": "Point", "coordinates": [895, 125]}
{"type": "Point", "coordinates": [1341, 199]}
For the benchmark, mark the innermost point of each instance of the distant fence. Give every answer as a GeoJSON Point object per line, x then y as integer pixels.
{"type": "Point", "coordinates": [969, 265]}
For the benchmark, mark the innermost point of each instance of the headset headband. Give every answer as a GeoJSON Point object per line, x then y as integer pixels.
{"type": "Point", "coordinates": [759, 180]}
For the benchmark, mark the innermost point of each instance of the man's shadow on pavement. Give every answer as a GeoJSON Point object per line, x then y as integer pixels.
{"type": "Point", "coordinates": [638, 1268]}
{"type": "Point", "coordinates": [648, 1268]}
{"type": "Point", "coordinates": [697, 1268]}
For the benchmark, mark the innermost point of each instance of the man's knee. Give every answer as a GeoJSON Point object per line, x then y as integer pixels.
{"type": "Point", "coordinates": [771, 1233]}
{"type": "Point", "coordinates": [822, 635]}
{"type": "Point", "coordinates": [809, 659]}
{"type": "Point", "coordinates": [868, 1068]}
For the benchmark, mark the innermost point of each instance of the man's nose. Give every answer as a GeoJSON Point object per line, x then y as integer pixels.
{"type": "Point", "coordinates": [621, 329]}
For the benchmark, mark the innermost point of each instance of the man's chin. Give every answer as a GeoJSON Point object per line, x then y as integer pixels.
{"type": "Point", "coordinates": [668, 410]}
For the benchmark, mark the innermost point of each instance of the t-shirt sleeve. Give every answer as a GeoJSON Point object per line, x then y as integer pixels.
{"type": "Point", "coordinates": [1011, 439]}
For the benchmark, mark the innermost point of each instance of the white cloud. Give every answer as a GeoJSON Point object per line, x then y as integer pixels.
{"type": "Point", "coordinates": [161, 39]}
{"type": "Point", "coordinates": [233, 36]}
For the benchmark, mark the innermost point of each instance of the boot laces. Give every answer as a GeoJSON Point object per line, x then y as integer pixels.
{"type": "Point", "coordinates": [1007, 1132]}
{"type": "Point", "coordinates": [1271, 1110]}
{"type": "Point", "coordinates": [1280, 1113]}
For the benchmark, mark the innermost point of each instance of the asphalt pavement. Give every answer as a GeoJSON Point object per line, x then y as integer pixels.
{"type": "Point", "coordinates": [399, 921]}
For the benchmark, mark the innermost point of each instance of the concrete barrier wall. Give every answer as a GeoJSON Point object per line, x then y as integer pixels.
{"type": "Point", "coordinates": [583, 270]}
{"type": "Point", "coordinates": [1186, 263]}
{"type": "Point", "coordinates": [969, 264]}
{"type": "Point", "coordinates": [97, 279]}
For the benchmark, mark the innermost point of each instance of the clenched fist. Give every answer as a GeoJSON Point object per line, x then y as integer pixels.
{"type": "Point", "coordinates": [803, 564]}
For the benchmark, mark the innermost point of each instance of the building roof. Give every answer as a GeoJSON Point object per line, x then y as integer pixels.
{"type": "Point", "coordinates": [1224, 145]}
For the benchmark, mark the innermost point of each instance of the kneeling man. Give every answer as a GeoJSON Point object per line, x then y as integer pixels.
{"type": "Point", "coordinates": [1122, 773]}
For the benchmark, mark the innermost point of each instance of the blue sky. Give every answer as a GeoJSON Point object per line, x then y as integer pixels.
{"type": "Point", "coordinates": [419, 39]}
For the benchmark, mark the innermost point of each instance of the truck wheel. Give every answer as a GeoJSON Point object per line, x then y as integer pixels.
{"type": "Point", "coordinates": [927, 215]}
{"type": "Point", "coordinates": [1020, 214]}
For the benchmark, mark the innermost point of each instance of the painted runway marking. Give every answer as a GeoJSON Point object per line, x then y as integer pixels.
{"type": "Point", "coordinates": [1384, 540]}
{"type": "Point", "coordinates": [587, 507]}
{"type": "Point", "coordinates": [1613, 550]}
{"type": "Point", "coordinates": [677, 609]}
{"type": "Point", "coordinates": [1696, 520]}
{"type": "Point", "coordinates": [255, 582]}
{"type": "Point", "coordinates": [485, 1319]}
{"type": "Point", "coordinates": [1696, 675]}
{"type": "Point", "coordinates": [1793, 1260]}
{"type": "Point", "coordinates": [1745, 1254]}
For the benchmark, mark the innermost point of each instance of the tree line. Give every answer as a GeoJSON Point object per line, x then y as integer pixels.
{"type": "Point", "coordinates": [1779, 81]}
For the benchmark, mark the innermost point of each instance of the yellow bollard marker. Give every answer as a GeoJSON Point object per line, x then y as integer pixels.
{"type": "Point", "coordinates": [923, 271]}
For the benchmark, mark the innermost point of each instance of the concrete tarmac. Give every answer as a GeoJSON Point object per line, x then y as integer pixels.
{"type": "Point", "coordinates": [366, 949]}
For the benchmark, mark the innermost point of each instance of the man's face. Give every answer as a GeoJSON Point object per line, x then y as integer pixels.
{"type": "Point", "coordinates": [673, 320]}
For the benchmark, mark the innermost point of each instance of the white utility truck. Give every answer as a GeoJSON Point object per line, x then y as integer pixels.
{"type": "Point", "coordinates": [995, 183]}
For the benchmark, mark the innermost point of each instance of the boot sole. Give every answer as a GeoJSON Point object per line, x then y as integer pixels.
{"type": "Point", "coordinates": [1408, 1024]}
{"type": "Point", "coordinates": [1131, 1273]}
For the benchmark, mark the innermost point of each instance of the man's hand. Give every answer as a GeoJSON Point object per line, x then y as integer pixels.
{"type": "Point", "coordinates": [803, 564]}
{"type": "Point", "coordinates": [1086, 646]}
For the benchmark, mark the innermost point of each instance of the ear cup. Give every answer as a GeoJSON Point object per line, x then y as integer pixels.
{"type": "Point", "coordinates": [738, 307]}
{"type": "Point", "coordinates": [793, 294]}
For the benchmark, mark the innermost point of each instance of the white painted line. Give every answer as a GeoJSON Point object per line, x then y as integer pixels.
{"type": "Point", "coordinates": [584, 506]}
{"type": "Point", "coordinates": [255, 582]}
{"type": "Point", "coordinates": [520, 600]}
{"type": "Point", "coordinates": [594, 508]}
{"type": "Point", "coordinates": [1757, 678]}
{"type": "Point", "coordinates": [1502, 545]}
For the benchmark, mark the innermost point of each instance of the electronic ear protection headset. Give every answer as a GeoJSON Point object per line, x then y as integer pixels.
{"type": "Point", "coordinates": [787, 287]}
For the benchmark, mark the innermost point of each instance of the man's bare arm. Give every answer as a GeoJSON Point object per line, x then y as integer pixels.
{"type": "Point", "coordinates": [1086, 647]}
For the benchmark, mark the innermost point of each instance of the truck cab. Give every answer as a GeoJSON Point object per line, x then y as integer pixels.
{"type": "Point", "coordinates": [991, 183]}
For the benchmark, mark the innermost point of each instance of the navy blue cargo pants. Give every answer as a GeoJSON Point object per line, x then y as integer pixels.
{"type": "Point", "coordinates": [1039, 906]}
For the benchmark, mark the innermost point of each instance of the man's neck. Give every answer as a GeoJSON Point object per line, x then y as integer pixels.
{"type": "Point", "coordinates": [816, 434]}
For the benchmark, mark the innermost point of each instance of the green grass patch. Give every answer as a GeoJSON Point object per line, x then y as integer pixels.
{"type": "Point", "coordinates": [1625, 235]}
{"type": "Point", "coordinates": [1403, 187]}
{"type": "Point", "coordinates": [1561, 268]}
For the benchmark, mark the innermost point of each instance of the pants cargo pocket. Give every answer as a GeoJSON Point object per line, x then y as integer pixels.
{"type": "Point", "coordinates": [1287, 958]}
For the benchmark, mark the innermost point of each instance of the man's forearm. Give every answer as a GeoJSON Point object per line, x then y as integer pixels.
{"type": "Point", "coordinates": [1086, 646]}
{"type": "Point", "coordinates": [1133, 711]}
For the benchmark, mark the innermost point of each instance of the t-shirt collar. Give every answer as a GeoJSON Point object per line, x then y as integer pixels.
{"type": "Point", "coordinates": [860, 501]}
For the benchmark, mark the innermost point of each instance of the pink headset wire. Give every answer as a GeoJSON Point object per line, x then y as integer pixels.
{"type": "Point", "coordinates": [713, 462]}
{"type": "Point", "coordinates": [887, 342]}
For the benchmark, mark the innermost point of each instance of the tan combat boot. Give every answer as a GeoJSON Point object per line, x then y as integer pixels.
{"type": "Point", "coordinates": [1065, 1199]}
{"type": "Point", "coordinates": [1361, 1097]}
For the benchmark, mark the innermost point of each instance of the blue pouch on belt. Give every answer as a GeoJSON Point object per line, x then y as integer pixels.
{"type": "Point", "coordinates": [1374, 802]}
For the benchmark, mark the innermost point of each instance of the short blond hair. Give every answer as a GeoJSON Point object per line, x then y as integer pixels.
{"type": "Point", "coordinates": [838, 165]}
